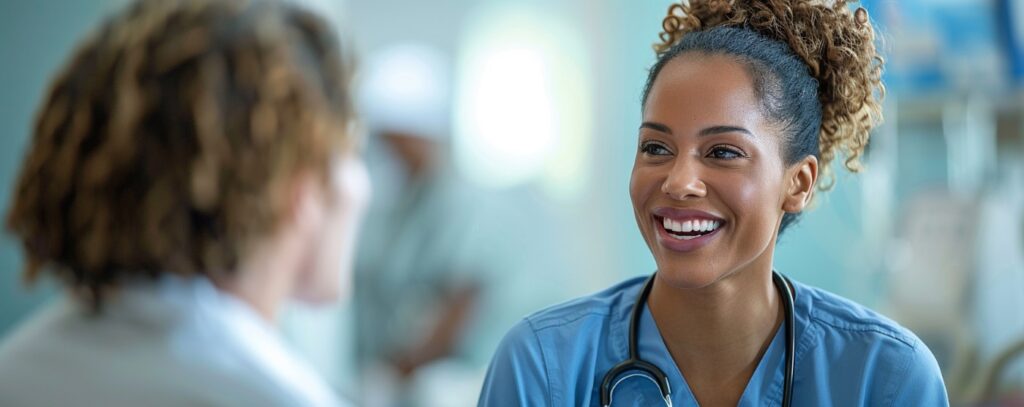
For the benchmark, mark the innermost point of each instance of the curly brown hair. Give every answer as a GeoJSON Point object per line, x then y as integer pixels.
{"type": "Point", "coordinates": [836, 44]}
{"type": "Point", "coordinates": [163, 140]}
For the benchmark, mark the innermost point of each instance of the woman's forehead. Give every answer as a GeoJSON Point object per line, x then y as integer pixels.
{"type": "Point", "coordinates": [693, 91]}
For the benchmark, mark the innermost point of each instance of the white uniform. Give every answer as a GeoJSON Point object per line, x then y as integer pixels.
{"type": "Point", "coordinates": [173, 342]}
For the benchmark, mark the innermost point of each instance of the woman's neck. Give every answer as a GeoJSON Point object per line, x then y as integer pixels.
{"type": "Point", "coordinates": [717, 334]}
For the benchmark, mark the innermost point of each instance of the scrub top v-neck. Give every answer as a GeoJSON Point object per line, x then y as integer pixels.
{"type": "Point", "coordinates": [846, 355]}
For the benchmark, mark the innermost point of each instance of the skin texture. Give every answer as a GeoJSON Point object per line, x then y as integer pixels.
{"type": "Point", "coordinates": [706, 145]}
{"type": "Point", "coordinates": [309, 257]}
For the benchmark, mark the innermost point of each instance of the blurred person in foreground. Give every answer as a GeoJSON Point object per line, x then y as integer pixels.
{"type": "Point", "coordinates": [421, 267]}
{"type": "Point", "coordinates": [191, 171]}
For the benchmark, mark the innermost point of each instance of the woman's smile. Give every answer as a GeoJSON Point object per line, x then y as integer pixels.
{"type": "Point", "coordinates": [685, 230]}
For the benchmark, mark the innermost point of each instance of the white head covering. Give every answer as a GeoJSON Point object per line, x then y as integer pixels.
{"type": "Point", "coordinates": [406, 88]}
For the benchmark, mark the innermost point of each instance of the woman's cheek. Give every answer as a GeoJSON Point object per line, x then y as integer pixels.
{"type": "Point", "coordinates": [755, 202]}
{"type": "Point", "coordinates": [642, 185]}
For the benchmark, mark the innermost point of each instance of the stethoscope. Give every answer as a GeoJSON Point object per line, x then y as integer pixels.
{"type": "Point", "coordinates": [634, 363]}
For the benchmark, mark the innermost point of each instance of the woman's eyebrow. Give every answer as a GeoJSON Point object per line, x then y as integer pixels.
{"type": "Point", "coordinates": [656, 127]}
{"type": "Point", "coordinates": [709, 131]}
{"type": "Point", "coordinates": [724, 129]}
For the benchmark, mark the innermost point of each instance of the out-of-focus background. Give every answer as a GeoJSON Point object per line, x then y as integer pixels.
{"type": "Point", "coordinates": [501, 172]}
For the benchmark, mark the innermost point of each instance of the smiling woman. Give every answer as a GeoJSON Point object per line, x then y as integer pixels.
{"type": "Point", "coordinates": [747, 105]}
{"type": "Point", "coordinates": [708, 153]}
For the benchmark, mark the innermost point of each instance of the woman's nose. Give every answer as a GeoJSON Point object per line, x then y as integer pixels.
{"type": "Point", "coordinates": [684, 181]}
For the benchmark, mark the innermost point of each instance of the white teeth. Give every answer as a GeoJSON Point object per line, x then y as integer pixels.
{"type": "Point", "coordinates": [673, 225]}
{"type": "Point", "coordinates": [687, 226]}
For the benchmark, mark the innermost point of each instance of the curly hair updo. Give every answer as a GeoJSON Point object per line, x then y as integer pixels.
{"type": "Point", "coordinates": [813, 63]}
{"type": "Point", "coordinates": [159, 144]}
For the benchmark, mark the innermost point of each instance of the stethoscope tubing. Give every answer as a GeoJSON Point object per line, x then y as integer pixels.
{"type": "Point", "coordinates": [634, 362]}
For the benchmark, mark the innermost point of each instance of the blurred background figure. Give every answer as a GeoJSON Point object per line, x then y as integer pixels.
{"type": "Point", "coordinates": [419, 276]}
{"type": "Point", "coordinates": [541, 123]}
{"type": "Point", "coordinates": [192, 170]}
{"type": "Point", "coordinates": [437, 251]}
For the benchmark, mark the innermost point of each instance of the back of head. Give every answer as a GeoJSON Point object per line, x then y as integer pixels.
{"type": "Point", "coordinates": [159, 144]}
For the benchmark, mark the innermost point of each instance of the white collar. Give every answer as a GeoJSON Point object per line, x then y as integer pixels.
{"type": "Point", "coordinates": [207, 317]}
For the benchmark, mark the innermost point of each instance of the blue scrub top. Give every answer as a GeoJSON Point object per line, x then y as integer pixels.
{"type": "Point", "coordinates": [846, 355]}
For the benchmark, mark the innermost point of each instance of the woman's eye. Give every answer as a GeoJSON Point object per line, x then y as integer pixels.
{"type": "Point", "coordinates": [654, 149]}
{"type": "Point", "coordinates": [724, 153]}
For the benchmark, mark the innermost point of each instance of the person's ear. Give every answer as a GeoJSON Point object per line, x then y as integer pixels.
{"type": "Point", "coordinates": [801, 178]}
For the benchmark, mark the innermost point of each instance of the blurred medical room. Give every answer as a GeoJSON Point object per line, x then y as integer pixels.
{"type": "Point", "coordinates": [500, 173]}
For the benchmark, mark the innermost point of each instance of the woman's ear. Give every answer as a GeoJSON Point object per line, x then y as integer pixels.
{"type": "Point", "coordinates": [801, 178]}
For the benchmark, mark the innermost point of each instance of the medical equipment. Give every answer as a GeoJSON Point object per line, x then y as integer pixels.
{"type": "Point", "coordinates": [634, 363]}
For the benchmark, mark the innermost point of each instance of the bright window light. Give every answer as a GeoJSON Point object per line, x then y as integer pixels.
{"type": "Point", "coordinates": [522, 106]}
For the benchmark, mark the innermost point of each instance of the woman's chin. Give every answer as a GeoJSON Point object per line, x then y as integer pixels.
{"type": "Point", "coordinates": [689, 278]}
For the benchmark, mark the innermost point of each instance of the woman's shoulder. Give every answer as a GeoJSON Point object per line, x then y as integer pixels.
{"type": "Point", "coordinates": [594, 307]}
{"type": "Point", "coordinates": [836, 313]}
{"type": "Point", "coordinates": [577, 322]}
{"type": "Point", "coordinates": [548, 351]}
{"type": "Point", "coordinates": [862, 347]}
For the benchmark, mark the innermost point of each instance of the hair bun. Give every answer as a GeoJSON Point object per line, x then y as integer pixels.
{"type": "Point", "coordinates": [836, 44]}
